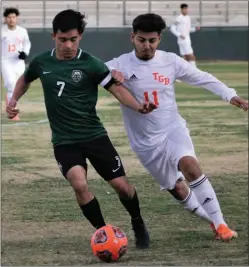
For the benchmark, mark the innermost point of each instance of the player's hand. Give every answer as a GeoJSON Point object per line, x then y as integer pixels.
{"type": "Point", "coordinates": [117, 76]}
{"type": "Point", "coordinates": [11, 109]}
{"type": "Point", "coordinates": [146, 107]}
{"type": "Point", "coordinates": [197, 28]}
{"type": "Point", "coordinates": [239, 102]}
{"type": "Point", "coordinates": [22, 55]}
{"type": "Point", "coordinates": [182, 37]}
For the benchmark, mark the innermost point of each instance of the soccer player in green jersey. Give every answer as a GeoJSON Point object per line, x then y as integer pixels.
{"type": "Point", "coordinates": [70, 79]}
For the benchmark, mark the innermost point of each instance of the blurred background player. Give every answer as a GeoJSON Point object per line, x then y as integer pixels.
{"type": "Point", "coordinates": [15, 48]}
{"type": "Point", "coordinates": [182, 28]}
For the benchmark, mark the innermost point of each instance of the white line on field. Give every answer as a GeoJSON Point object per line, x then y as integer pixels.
{"type": "Point", "coordinates": [25, 123]}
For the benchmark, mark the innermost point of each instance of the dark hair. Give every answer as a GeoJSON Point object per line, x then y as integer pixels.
{"type": "Point", "coordinates": [148, 23]}
{"type": "Point", "coordinates": [183, 6]}
{"type": "Point", "coordinates": [11, 10]}
{"type": "Point", "coordinates": [68, 20]}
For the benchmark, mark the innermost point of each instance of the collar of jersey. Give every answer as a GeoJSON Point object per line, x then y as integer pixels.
{"type": "Point", "coordinates": [76, 57]}
{"type": "Point", "coordinates": [143, 62]}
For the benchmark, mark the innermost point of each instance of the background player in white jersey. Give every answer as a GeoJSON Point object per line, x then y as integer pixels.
{"type": "Point", "coordinates": [15, 48]}
{"type": "Point", "coordinates": [161, 139]}
{"type": "Point", "coordinates": [182, 28]}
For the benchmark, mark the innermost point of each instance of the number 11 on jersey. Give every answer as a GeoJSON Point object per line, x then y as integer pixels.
{"type": "Point", "coordinates": [155, 97]}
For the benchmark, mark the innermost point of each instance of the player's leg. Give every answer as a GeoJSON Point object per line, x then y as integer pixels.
{"type": "Point", "coordinates": [182, 193]}
{"type": "Point", "coordinates": [128, 197]}
{"type": "Point", "coordinates": [10, 75]}
{"type": "Point", "coordinates": [183, 157]}
{"type": "Point", "coordinates": [206, 196]}
{"type": "Point", "coordinates": [106, 161]}
{"type": "Point", "coordinates": [186, 51]}
{"type": "Point", "coordinates": [73, 166]}
{"type": "Point", "coordinates": [191, 59]}
{"type": "Point", "coordinates": [9, 78]}
{"type": "Point", "coordinates": [169, 178]}
{"type": "Point", "coordinates": [181, 51]}
{"type": "Point", "coordinates": [17, 71]}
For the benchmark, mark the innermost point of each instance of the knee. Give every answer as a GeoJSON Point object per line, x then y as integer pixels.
{"type": "Point", "coordinates": [186, 57]}
{"type": "Point", "coordinates": [189, 167]}
{"type": "Point", "coordinates": [80, 188]}
{"type": "Point", "coordinates": [77, 178]}
{"type": "Point", "coordinates": [191, 58]}
{"type": "Point", "coordinates": [82, 193]}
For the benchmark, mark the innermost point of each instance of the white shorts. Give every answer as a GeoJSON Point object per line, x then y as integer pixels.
{"type": "Point", "coordinates": [11, 72]}
{"type": "Point", "coordinates": [185, 49]}
{"type": "Point", "coordinates": [162, 161]}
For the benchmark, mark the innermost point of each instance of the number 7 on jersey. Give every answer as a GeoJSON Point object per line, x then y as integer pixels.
{"type": "Point", "coordinates": [62, 85]}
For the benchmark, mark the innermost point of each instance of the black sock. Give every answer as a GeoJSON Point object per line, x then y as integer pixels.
{"type": "Point", "coordinates": [92, 212]}
{"type": "Point", "coordinates": [131, 205]}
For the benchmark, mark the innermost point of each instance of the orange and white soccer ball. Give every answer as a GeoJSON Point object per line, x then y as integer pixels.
{"type": "Point", "coordinates": [109, 243]}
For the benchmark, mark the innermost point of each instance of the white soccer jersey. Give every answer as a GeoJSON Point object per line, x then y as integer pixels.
{"type": "Point", "coordinates": [182, 26]}
{"type": "Point", "coordinates": [154, 80]}
{"type": "Point", "coordinates": [14, 41]}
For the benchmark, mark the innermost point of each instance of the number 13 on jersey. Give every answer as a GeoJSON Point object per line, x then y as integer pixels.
{"type": "Point", "coordinates": [154, 95]}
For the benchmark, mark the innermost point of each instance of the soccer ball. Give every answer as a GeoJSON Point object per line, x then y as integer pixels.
{"type": "Point", "coordinates": [109, 243]}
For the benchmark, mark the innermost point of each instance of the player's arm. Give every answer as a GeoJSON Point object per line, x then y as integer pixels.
{"type": "Point", "coordinates": [192, 28]}
{"type": "Point", "coordinates": [114, 67]}
{"type": "Point", "coordinates": [21, 87]}
{"type": "Point", "coordinates": [192, 75]}
{"type": "Point", "coordinates": [119, 91]}
{"type": "Point", "coordinates": [122, 94]}
{"type": "Point", "coordinates": [27, 43]}
{"type": "Point", "coordinates": [26, 46]}
{"type": "Point", "coordinates": [174, 27]}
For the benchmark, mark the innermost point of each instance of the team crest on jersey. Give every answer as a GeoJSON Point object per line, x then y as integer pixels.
{"type": "Point", "coordinates": [77, 75]}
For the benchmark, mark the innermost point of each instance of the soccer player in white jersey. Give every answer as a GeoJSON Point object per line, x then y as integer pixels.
{"type": "Point", "coordinates": [161, 139]}
{"type": "Point", "coordinates": [182, 28]}
{"type": "Point", "coordinates": [15, 48]}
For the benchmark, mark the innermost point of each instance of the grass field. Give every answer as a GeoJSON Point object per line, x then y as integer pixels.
{"type": "Point", "coordinates": [42, 224]}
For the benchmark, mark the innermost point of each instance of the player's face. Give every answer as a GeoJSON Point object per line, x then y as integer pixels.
{"type": "Point", "coordinates": [11, 20]}
{"type": "Point", "coordinates": [185, 11]}
{"type": "Point", "coordinates": [145, 44]}
{"type": "Point", "coordinates": [67, 43]}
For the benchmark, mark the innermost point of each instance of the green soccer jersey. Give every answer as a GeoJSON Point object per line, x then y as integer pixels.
{"type": "Point", "coordinates": [71, 90]}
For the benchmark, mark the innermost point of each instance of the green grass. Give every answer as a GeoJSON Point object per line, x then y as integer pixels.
{"type": "Point", "coordinates": [224, 68]}
{"type": "Point", "coordinates": [42, 224]}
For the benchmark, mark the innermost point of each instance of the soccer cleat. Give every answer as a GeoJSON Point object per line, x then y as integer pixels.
{"type": "Point", "coordinates": [141, 234]}
{"type": "Point", "coordinates": [224, 233]}
{"type": "Point", "coordinates": [16, 118]}
{"type": "Point", "coordinates": [214, 231]}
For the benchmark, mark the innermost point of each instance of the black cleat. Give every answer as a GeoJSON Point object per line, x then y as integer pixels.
{"type": "Point", "coordinates": [141, 234]}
